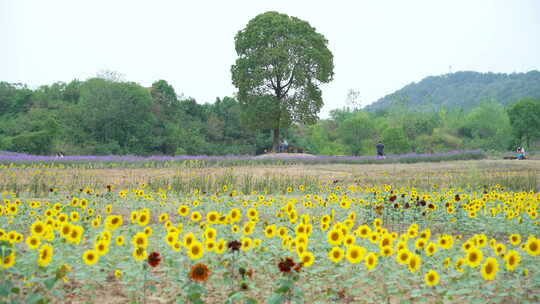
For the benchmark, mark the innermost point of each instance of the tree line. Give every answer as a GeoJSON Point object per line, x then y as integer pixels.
{"type": "Point", "coordinates": [101, 116]}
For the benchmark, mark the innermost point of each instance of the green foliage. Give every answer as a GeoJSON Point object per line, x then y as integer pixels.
{"type": "Point", "coordinates": [395, 141]}
{"type": "Point", "coordinates": [525, 119]}
{"type": "Point", "coordinates": [463, 90]}
{"type": "Point", "coordinates": [100, 116]}
{"type": "Point", "coordinates": [281, 62]}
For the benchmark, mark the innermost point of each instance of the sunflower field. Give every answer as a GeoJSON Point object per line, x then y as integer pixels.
{"type": "Point", "coordinates": [336, 244]}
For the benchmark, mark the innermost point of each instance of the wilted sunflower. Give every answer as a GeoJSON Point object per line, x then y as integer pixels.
{"type": "Point", "coordinates": [154, 259]}
{"type": "Point", "coordinates": [234, 245]}
{"type": "Point", "coordinates": [199, 272]}
{"type": "Point", "coordinates": [286, 265]}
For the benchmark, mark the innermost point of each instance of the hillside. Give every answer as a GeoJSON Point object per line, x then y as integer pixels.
{"type": "Point", "coordinates": [463, 90]}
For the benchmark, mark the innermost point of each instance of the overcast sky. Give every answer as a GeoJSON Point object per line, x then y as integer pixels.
{"type": "Point", "coordinates": [378, 46]}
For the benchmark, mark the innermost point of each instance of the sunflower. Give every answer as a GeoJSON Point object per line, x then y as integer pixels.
{"type": "Point", "coordinates": [246, 244]}
{"type": "Point", "coordinates": [489, 269]}
{"type": "Point", "coordinates": [8, 261]}
{"type": "Point", "coordinates": [336, 254]}
{"type": "Point", "coordinates": [38, 228]}
{"type": "Point", "coordinates": [210, 233]}
{"type": "Point", "coordinates": [163, 217]}
{"type": "Point", "coordinates": [65, 230]}
{"type": "Point", "coordinates": [139, 254]}
{"type": "Point", "coordinates": [402, 256]}
{"type": "Point", "coordinates": [140, 240]}
{"type": "Point", "coordinates": [220, 246]}
{"type": "Point", "coordinates": [120, 240]}
{"type": "Point", "coordinates": [90, 257]}
{"type": "Point", "coordinates": [431, 278]}
{"type": "Point", "coordinates": [335, 236]}
{"type": "Point", "coordinates": [143, 219]}
{"type": "Point", "coordinates": [512, 260]}
{"type": "Point", "coordinates": [474, 257]}
{"type": "Point", "coordinates": [199, 272]}
{"type": "Point", "coordinates": [481, 240]}
{"type": "Point", "coordinates": [307, 258]}
{"type": "Point", "coordinates": [374, 237]}
{"type": "Point", "coordinates": [210, 245]}
{"type": "Point", "coordinates": [515, 239]}
{"type": "Point", "coordinates": [101, 247]}
{"type": "Point", "coordinates": [270, 231]}
{"type": "Point", "coordinates": [75, 236]}
{"type": "Point", "coordinates": [113, 222]}
{"type": "Point", "coordinates": [363, 231]}
{"type": "Point", "coordinates": [468, 245]}
{"type": "Point", "coordinates": [349, 240]}
{"type": "Point", "coordinates": [431, 249]}
{"type": "Point", "coordinates": [533, 246]}
{"type": "Point", "coordinates": [118, 273]}
{"type": "Point", "coordinates": [414, 263]}
{"type": "Point", "coordinates": [386, 251]}
{"type": "Point", "coordinates": [420, 243]}
{"type": "Point", "coordinates": [45, 255]}
{"type": "Point", "coordinates": [500, 249]}
{"type": "Point", "coordinates": [371, 261]}
{"type": "Point", "coordinates": [386, 240]}
{"type": "Point", "coordinates": [196, 216]}
{"type": "Point", "coordinates": [195, 250]}
{"type": "Point", "coordinates": [355, 254]}
{"type": "Point", "coordinates": [459, 264]}
{"type": "Point", "coordinates": [33, 242]}
{"type": "Point", "coordinates": [212, 217]}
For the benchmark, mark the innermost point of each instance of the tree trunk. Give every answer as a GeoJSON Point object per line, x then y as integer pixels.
{"type": "Point", "coordinates": [275, 144]}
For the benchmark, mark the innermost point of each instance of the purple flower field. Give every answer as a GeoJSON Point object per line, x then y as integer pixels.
{"type": "Point", "coordinates": [13, 157]}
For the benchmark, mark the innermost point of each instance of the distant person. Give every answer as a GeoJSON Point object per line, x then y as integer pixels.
{"type": "Point", "coordinates": [521, 153]}
{"type": "Point", "coordinates": [380, 150]}
{"type": "Point", "coordinates": [285, 146]}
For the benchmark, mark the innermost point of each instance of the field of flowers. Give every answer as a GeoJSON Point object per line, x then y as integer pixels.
{"type": "Point", "coordinates": [339, 243]}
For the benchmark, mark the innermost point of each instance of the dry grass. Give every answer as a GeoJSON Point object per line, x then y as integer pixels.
{"type": "Point", "coordinates": [513, 174]}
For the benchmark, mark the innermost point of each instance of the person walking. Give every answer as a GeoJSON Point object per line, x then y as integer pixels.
{"type": "Point", "coordinates": [380, 150]}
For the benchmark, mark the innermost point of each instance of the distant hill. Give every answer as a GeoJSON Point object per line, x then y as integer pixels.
{"type": "Point", "coordinates": [464, 90]}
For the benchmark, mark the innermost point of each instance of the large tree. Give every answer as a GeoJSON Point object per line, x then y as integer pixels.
{"type": "Point", "coordinates": [525, 119]}
{"type": "Point", "coordinates": [281, 63]}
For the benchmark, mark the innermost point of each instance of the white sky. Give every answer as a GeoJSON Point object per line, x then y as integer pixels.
{"type": "Point", "coordinates": [378, 46]}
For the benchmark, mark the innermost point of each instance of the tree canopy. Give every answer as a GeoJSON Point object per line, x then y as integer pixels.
{"type": "Point", "coordinates": [281, 63]}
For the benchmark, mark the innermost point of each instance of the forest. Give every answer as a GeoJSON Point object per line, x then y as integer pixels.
{"type": "Point", "coordinates": [103, 116]}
